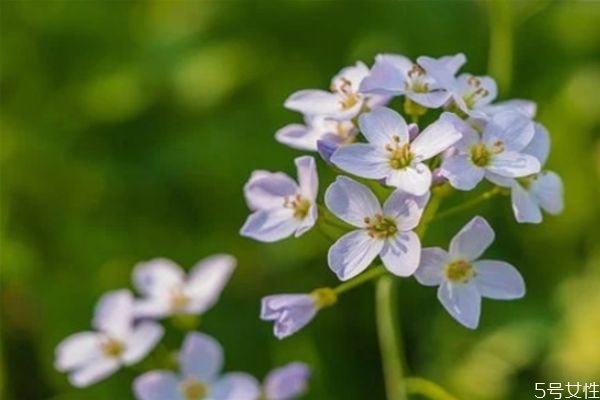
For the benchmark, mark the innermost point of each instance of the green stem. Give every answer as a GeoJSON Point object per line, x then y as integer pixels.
{"type": "Point", "coordinates": [372, 273]}
{"type": "Point", "coordinates": [469, 204]}
{"type": "Point", "coordinates": [427, 388]}
{"type": "Point", "coordinates": [387, 328]}
{"type": "Point", "coordinates": [437, 196]}
{"type": "Point", "coordinates": [501, 42]}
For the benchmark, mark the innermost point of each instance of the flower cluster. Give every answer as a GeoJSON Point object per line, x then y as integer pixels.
{"type": "Point", "coordinates": [126, 330]}
{"type": "Point", "coordinates": [389, 172]}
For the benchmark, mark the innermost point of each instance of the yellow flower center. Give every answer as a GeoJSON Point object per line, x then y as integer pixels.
{"type": "Point", "coordinates": [526, 181]}
{"type": "Point", "coordinates": [350, 98]}
{"type": "Point", "coordinates": [459, 271]}
{"type": "Point", "coordinates": [112, 348]}
{"type": "Point", "coordinates": [400, 154]}
{"type": "Point", "coordinates": [416, 83]}
{"type": "Point", "coordinates": [475, 93]}
{"type": "Point", "coordinates": [482, 155]}
{"type": "Point", "coordinates": [178, 299]}
{"type": "Point", "coordinates": [381, 227]}
{"type": "Point", "coordinates": [299, 204]}
{"type": "Point", "coordinates": [193, 389]}
{"type": "Point", "coordinates": [324, 297]}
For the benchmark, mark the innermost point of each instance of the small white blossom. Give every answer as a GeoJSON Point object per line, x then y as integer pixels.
{"type": "Point", "coordinates": [316, 128]}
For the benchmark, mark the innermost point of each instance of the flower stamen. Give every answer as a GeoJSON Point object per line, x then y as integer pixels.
{"type": "Point", "coordinates": [192, 389]}
{"type": "Point", "coordinates": [381, 227]}
{"type": "Point", "coordinates": [299, 204]}
{"type": "Point", "coordinates": [459, 271]}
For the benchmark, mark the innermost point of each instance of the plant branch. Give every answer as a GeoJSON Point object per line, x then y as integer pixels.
{"type": "Point", "coordinates": [470, 203]}
{"type": "Point", "coordinates": [427, 388]}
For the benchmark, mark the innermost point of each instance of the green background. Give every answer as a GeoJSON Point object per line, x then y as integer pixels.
{"type": "Point", "coordinates": [129, 129]}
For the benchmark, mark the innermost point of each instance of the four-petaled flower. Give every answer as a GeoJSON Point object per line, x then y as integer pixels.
{"type": "Point", "coordinates": [385, 232]}
{"type": "Point", "coordinates": [532, 193]}
{"type": "Point", "coordinates": [390, 155]}
{"type": "Point", "coordinates": [287, 382]}
{"type": "Point", "coordinates": [463, 279]}
{"type": "Point", "coordinates": [89, 357]}
{"type": "Point", "coordinates": [200, 361]}
{"type": "Point", "coordinates": [292, 312]}
{"type": "Point", "coordinates": [397, 75]}
{"type": "Point", "coordinates": [167, 291]}
{"type": "Point", "coordinates": [498, 150]}
{"type": "Point", "coordinates": [281, 206]}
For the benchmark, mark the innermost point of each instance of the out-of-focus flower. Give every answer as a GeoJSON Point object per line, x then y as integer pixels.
{"type": "Point", "coordinates": [498, 150]}
{"type": "Point", "coordinates": [386, 232]}
{"type": "Point", "coordinates": [532, 193]}
{"type": "Point", "coordinates": [89, 357]}
{"type": "Point", "coordinates": [467, 91]}
{"type": "Point", "coordinates": [390, 155]}
{"type": "Point", "coordinates": [292, 312]}
{"type": "Point", "coordinates": [287, 382]}
{"type": "Point", "coordinates": [281, 206]}
{"type": "Point", "coordinates": [167, 291]}
{"type": "Point", "coordinates": [200, 361]}
{"type": "Point", "coordinates": [463, 279]}
{"type": "Point", "coordinates": [343, 102]}
{"type": "Point", "coordinates": [525, 107]}
{"type": "Point", "coordinates": [397, 75]}
{"type": "Point", "coordinates": [305, 137]}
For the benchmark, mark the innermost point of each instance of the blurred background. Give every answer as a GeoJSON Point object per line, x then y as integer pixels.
{"type": "Point", "coordinates": [129, 128]}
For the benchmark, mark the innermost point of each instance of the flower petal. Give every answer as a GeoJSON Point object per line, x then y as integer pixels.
{"type": "Point", "coordinates": [539, 146]}
{"type": "Point", "coordinates": [351, 201]}
{"type": "Point", "coordinates": [433, 99]}
{"type": "Point", "coordinates": [298, 136]}
{"type": "Point", "coordinates": [287, 382]}
{"type": "Point", "coordinates": [114, 312]}
{"type": "Point", "coordinates": [405, 208]}
{"type": "Point", "coordinates": [498, 280]}
{"type": "Point", "coordinates": [472, 240]}
{"type": "Point", "coordinates": [235, 386]}
{"type": "Point", "coordinates": [265, 190]}
{"type": "Point", "coordinates": [461, 172]}
{"type": "Point", "coordinates": [381, 125]}
{"type": "Point", "coordinates": [547, 188]}
{"type": "Point", "coordinates": [157, 277]}
{"type": "Point", "coordinates": [308, 180]}
{"type": "Point", "coordinates": [142, 340]}
{"type": "Point", "coordinates": [415, 179]}
{"type": "Point", "coordinates": [454, 62]}
{"type": "Point", "coordinates": [270, 225]}
{"type": "Point", "coordinates": [524, 206]}
{"type": "Point", "coordinates": [77, 350]}
{"type": "Point", "coordinates": [157, 385]}
{"type": "Point", "coordinates": [314, 102]}
{"type": "Point", "coordinates": [272, 306]}
{"type": "Point", "coordinates": [152, 307]}
{"type": "Point", "coordinates": [513, 165]}
{"type": "Point", "coordinates": [308, 221]}
{"type": "Point", "coordinates": [525, 107]}
{"type": "Point", "coordinates": [401, 253]}
{"type": "Point", "coordinates": [93, 372]}
{"type": "Point", "coordinates": [431, 266]}
{"type": "Point", "coordinates": [201, 357]}
{"type": "Point", "coordinates": [513, 129]}
{"type": "Point", "coordinates": [353, 253]}
{"type": "Point", "coordinates": [207, 280]}
{"type": "Point", "coordinates": [462, 301]}
{"type": "Point", "coordinates": [291, 312]}
{"type": "Point", "coordinates": [361, 159]}
{"type": "Point", "coordinates": [436, 138]}
{"type": "Point", "coordinates": [469, 138]}
{"type": "Point", "coordinates": [387, 76]}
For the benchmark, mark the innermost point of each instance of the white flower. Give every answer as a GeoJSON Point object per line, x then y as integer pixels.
{"type": "Point", "coordinates": [498, 150]}
{"type": "Point", "coordinates": [305, 137]}
{"type": "Point", "coordinates": [468, 92]}
{"type": "Point", "coordinates": [89, 357]}
{"type": "Point", "coordinates": [343, 102]}
{"type": "Point", "coordinates": [281, 206]}
{"type": "Point", "coordinates": [166, 290]}
{"type": "Point", "coordinates": [397, 75]}
{"type": "Point", "coordinates": [200, 362]}
{"type": "Point", "coordinates": [386, 232]}
{"type": "Point", "coordinates": [390, 155]}
{"type": "Point", "coordinates": [532, 193]}
{"type": "Point", "coordinates": [463, 279]}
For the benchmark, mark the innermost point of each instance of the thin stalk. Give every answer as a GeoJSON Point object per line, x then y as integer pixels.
{"type": "Point", "coordinates": [372, 273]}
{"type": "Point", "coordinates": [427, 388]}
{"type": "Point", "coordinates": [387, 329]}
{"type": "Point", "coordinates": [469, 204]}
{"type": "Point", "coordinates": [501, 42]}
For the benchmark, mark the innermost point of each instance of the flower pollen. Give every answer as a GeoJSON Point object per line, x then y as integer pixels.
{"type": "Point", "coordinates": [192, 389]}
{"type": "Point", "coordinates": [459, 271]}
{"type": "Point", "coordinates": [416, 84]}
{"type": "Point", "coordinates": [350, 98]}
{"type": "Point", "coordinates": [178, 299]}
{"type": "Point", "coordinates": [381, 227]}
{"type": "Point", "coordinates": [112, 348]}
{"type": "Point", "coordinates": [299, 204]}
{"type": "Point", "coordinates": [400, 154]}
{"type": "Point", "coordinates": [475, 93]}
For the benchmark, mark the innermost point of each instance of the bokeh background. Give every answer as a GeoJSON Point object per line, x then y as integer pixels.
{"type": "Point", "coordinates": [128, 129]}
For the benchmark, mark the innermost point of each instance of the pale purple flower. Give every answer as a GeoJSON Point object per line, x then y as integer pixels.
{"type": "Point", "coordinates": [281, 206]}
{"type": "Point", "coordinates": [344, 100]}
{"type": "Point", "coordinates": [468, 92]}
{"type": "Point", "coordinates": [166, 290]}
{"type": "Point", "coordinates": [525, 107]}
{"type": "Point", "coordinates": [316, 128]}
{"type": "Point", "coordinates": [390, 155]}
{"type": "Point", "coordinates": [397, 75]}
{"type": "Point", "coordinates": [292, 312]}
{"type": "Point", "coordinates": [200, 362]}
{"type": "Point", "coordinates": [91, 356]}
{"type": "Point", "coordinates": [463, 279]}
{"type": "Point", "coordinates": [287, 382]}
{"type": "Point", "coordinates": [498, 150]}
{"type": "Point", "coordinates": [533, 193]}
{"type": "Point", "coordinates": [385, 232]}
